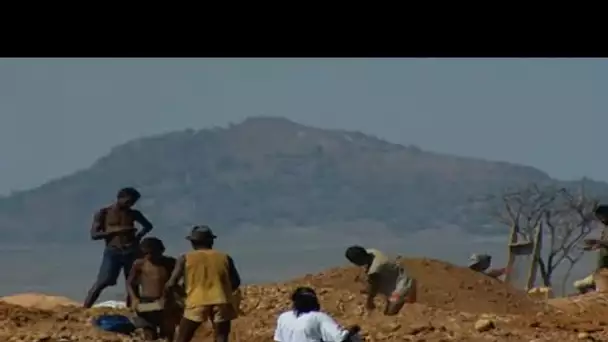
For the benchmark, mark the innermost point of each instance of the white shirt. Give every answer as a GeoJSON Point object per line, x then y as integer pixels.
{"type": "Point", "coordinates": [308, 327]}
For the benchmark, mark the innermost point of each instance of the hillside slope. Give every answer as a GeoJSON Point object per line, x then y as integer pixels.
{"type": "Point", "coordinates": [267, 172]}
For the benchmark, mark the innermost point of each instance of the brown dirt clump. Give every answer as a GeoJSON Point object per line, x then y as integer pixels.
{"type": "Point", "coordinates": [451, 305]}
{"type": "Point", "coordinates": [458, 288]}
{"type": "Point", "coordinates": [38, 301]}
{"type": "Point", "coordinates": [592, 306]}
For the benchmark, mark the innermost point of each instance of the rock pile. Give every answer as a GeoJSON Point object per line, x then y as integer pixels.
{"type": "Point", "coordinates": [455, 304]}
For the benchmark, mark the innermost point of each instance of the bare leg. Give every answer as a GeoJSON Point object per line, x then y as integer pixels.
{"type": "Point", "coordinates": [94, 294]}
{"type": "Point", "coordinates": [186, 330]}
{"type": "Point", "coordinates": [221, 331]}
{"type": "Point", "coordinates": [109, 271]}
{"type": "Point", "coordinates": [167, 329]}
{"type": "Point", "coordinates": [127, 264]}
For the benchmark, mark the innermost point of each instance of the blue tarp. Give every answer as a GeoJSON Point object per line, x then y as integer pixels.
{"type": "Point", "coordinates": [115, 323]}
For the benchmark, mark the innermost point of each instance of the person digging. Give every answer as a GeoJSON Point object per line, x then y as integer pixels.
{"type": "Point", "coordinates": [481, 263]}
{"type": "Point", "coordinates": [384, 277]}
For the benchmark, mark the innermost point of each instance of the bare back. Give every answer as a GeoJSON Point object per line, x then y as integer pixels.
{"type": "Point", "coordinates": [154, 276]}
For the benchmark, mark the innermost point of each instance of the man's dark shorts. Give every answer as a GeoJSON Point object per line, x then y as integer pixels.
{"type": "Point", "coordinates": [149, 319]}
{"type": "Point", "coordinates": [113, 261]}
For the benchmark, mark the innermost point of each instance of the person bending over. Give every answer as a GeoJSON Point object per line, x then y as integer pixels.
{"type": "Point", "coordinates": [306, 323]}
{"type": "Point", "coordinates": [481, 263]}
{"type": "Point", "coordinates": [384, 277]}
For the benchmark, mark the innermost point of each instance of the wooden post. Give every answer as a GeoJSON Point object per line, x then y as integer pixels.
{"type": "Point", "coordinates": [538, 241]}
{"type": "Point", "coordinates": [510, 256]}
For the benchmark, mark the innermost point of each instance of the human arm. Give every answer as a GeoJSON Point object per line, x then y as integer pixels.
{"type": "Point", "coordinates": [333, 332]}
{"type": "Point", "coordinates": [98, 231]}
{"type": "Point", "coordinates": [235, 278]}
{"type": "Point", "coordinates": [593, 244]}
{"type": "Point", "coordinates": [353, 331]}
{"type": "Point", "coordinates": [146, 225]}
{"type": "Point", "coordinates": [278, 331]}
{"type": "Point", "coordinates": [177, 274]}
{"type": "Point", "coordinates": [373, 286]}
{"type": "Point", "coordinates": [176, 293]}
{"type": "Point", "coordinates": [133, 282]}
{"type": "Point", "coordinates": [496, 272]}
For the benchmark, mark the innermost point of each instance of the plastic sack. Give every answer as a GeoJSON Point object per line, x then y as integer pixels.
{"type": "Point", "coordinates": [114, 323]}
{"type": "Point", "coordinates": [114, 304]}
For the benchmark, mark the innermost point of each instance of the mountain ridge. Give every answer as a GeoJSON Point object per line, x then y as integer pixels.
{"type": "Point", "coordinates": [269, 171]}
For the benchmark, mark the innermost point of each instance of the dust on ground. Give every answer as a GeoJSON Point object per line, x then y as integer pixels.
{"type": "Point", "coordinates": [454, 304]}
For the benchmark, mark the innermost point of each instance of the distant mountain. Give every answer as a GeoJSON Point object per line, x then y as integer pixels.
{"type": "Point", "coordinates": [268, 172]}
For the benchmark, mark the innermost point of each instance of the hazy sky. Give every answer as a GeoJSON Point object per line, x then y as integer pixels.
{"type": "Point", "coordinates": [59, 115]}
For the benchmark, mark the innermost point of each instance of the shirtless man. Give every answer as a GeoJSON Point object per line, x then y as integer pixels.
{"type": "Point", "coordinates": [148, 277]}
{"type": "Point", "coordinates": [210, 280]}
{"type": "Point", "coordinates": [115, 225]}
{"type": "Point", "coordinates": [383, 277]}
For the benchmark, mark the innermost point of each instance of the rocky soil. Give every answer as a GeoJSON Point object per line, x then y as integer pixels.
{"type": "Point", "coordinates": [454, 304]}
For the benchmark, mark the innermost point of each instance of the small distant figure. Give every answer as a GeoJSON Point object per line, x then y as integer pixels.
{"type": "Point", "coordinates": [384, 277]}
{"type": "Point", "coordinates": [115, 225]}
{"type": "Point", "coordinates": [306, 323]}
{"type": "Point", "coordinates": [210, 279]}
{"type": "Point", "coordinates": [587, 284]}
{"type": "Point", "coordinates": [482, 262]}
{"type": "Point", "coordinates": [156, 309]}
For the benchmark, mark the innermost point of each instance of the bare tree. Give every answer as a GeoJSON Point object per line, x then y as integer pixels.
{"type": "Point", "coordinates": [524, 209]}
{"type": "Point", "coordinates": [567, 222]}
{"type": "Point", "coordinates": [565, 219]}
{"type": "Point", "coordinates": [575, 255]}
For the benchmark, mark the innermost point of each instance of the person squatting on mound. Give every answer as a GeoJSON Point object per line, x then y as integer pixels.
{"type": "Point", "coordinates": [157, 311]}
{"type": "Point", "coordinates": [481, 263]}
{"type": "Point", "coordinates": [306, 323]}
{"type": "Point", "coordinates": [384, 277]}
{"type": "Point", "coordinates": [211, 281]}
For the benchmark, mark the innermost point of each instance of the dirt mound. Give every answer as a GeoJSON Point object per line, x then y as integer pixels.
{"type": "Point", "coordinates": [440, 285]}
{"type": "Point", "coordinates": [594, 303]}
{"type": "Point", "coordinates": [451, 302]}
{"type": "Point", "coordinates": [262, 304]}
{"type": "Point", "coordinates": [39, 301]}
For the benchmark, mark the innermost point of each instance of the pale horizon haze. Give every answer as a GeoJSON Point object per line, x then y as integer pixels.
{"type": "Point", "coordinates": [60, 115]}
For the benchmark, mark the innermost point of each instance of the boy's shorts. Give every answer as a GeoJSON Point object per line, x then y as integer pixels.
{"type": "Point", "coordinates": [150, 319]}
{"type": "Point", "coordinates": [168, 316]}
{"type": "Point", "coordinates": [216, 313]}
